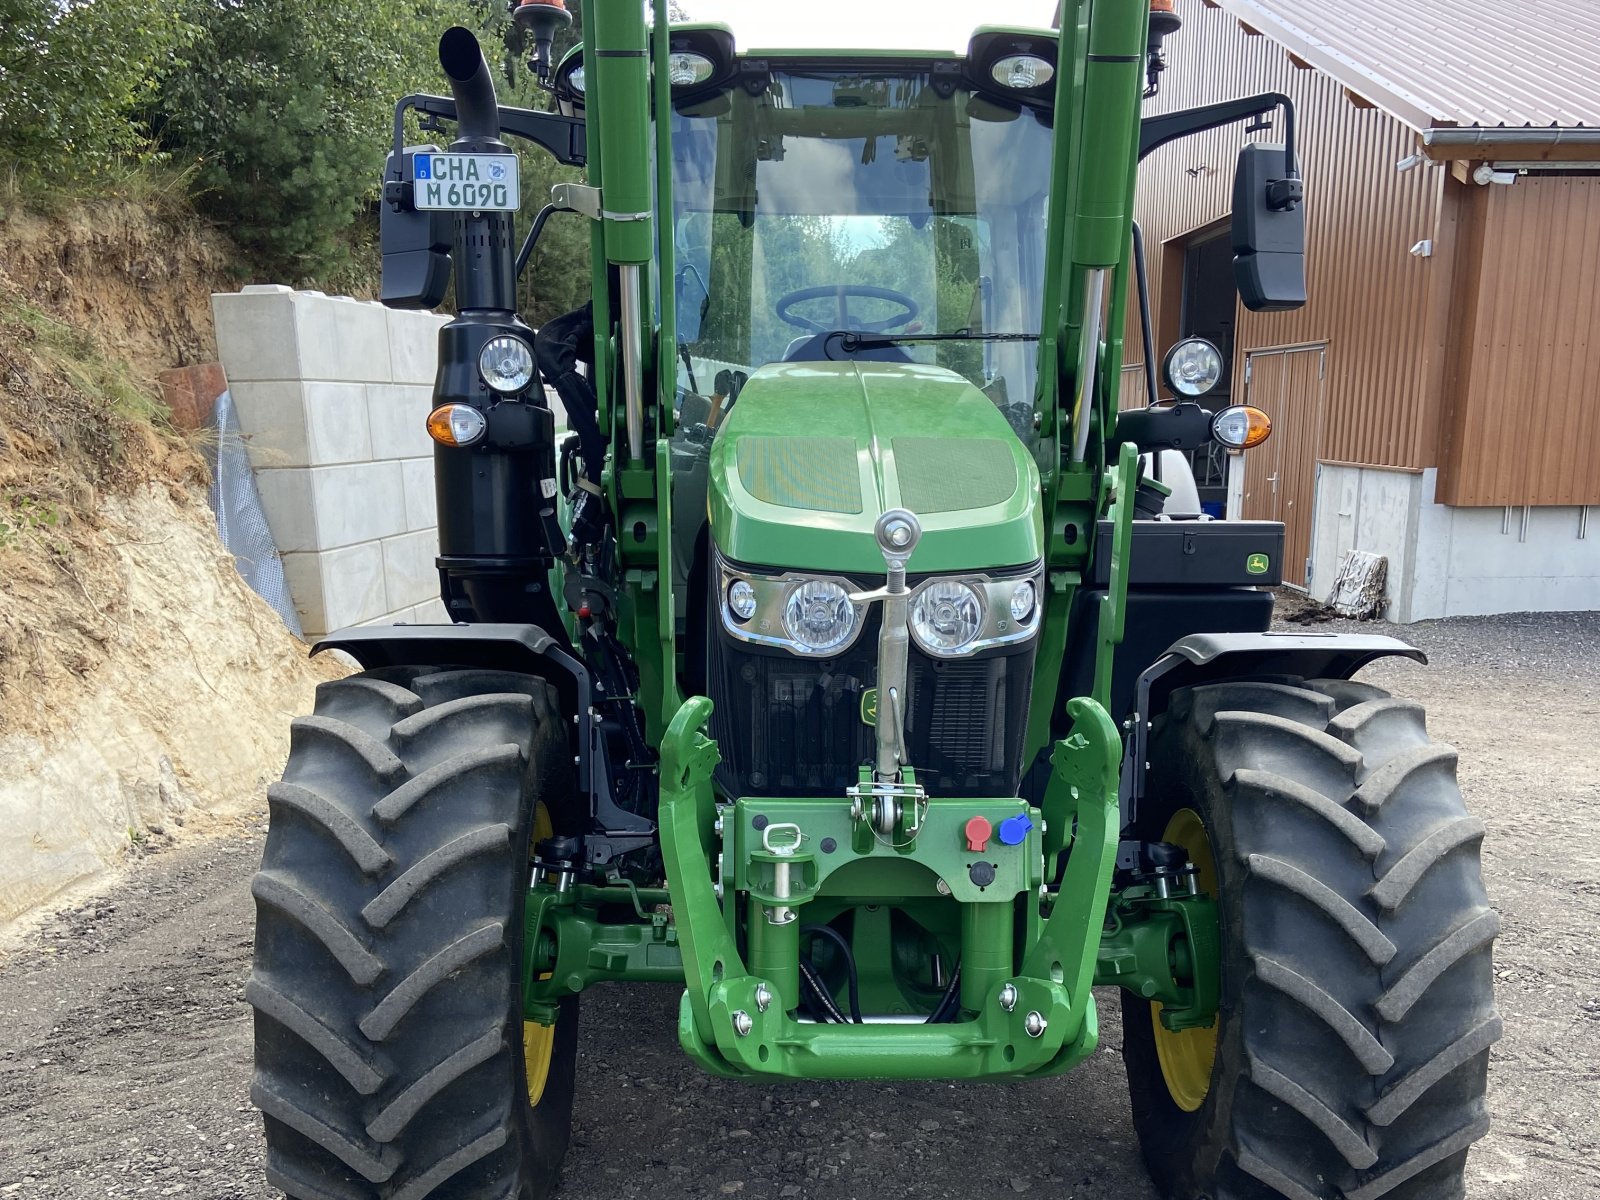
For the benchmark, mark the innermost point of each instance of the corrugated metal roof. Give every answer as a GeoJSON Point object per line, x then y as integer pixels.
{"type": "Point", "coordinates": [1432, 63]}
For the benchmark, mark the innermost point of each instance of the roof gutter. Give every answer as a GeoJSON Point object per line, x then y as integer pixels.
{"type": "Point", "coordinates": [1476, 142]}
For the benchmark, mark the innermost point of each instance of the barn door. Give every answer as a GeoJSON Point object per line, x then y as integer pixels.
{"type": "Point", "coordinates": [1280, 478]}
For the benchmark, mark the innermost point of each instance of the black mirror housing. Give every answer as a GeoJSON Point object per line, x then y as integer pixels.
{"type": "Point", "coordinates": [416, 245]}
{"type": "Point", "coordinates": [1269, 231]}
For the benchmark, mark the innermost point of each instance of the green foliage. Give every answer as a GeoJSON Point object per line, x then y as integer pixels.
{"type": "Point", "coordinates": [76, 78]}
{"type": "Point", "coordinates": [287, 106]}
{"type": "Point", "coordinates": [22, 514]}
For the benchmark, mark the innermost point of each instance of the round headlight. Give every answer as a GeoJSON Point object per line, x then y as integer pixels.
{"type": "Point", "coordinates": [506, 364]}
{"type": "Point", "coordinates": [1023, 71]}
{"type": "Point", "coordinates": [1239, 427]}
{"type": "Point", "coordinates": [819, 615]}
{"type": "Point", "coordinates": [946, 615]}
{"type": "Point", "coordinates": [575, 80]}
{"type": "Point", "coordinates": [687, 69]}
{"type": "Point", "coordinates": [741, 600]}
{"type": "Point", "coordinates": [1023, 598]}
{"type": "Point", "coordinates": [456, 424]}
{"type": "Point", "coordinates": [1193, 367]}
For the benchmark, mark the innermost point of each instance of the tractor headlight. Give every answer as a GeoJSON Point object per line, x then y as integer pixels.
{"type": "Point", "coordinates": [506, 364]}
{"type": "Point", "coordinates": [686, 68]}
{"type": "Point", "coordinates": [954, 618]}
{"type": "Point", "coordinates": [1023, 597]}
{"type": "Point", "coordinates": [946, 616]}
{"type": "Point", "coordinates": [1023, 71]}
{"type": "Point", "coordinates": [1193, 367]}
{"type": "Point", "coordinates": [819, 616]}
{"type": "Point", "coordinates": [741, 599]}
{"type": "Point", "coordinates": [809, 615]}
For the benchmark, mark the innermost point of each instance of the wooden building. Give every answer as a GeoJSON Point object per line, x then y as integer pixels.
{"type": "Point", "coordinates": [1438, 399]}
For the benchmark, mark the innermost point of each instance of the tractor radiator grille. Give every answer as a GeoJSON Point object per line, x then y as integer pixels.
{"type": "Point", "coordinates": [789, 726]}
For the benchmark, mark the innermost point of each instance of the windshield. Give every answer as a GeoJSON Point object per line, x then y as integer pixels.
{"type": "Point", "coordinates": [881, 202]}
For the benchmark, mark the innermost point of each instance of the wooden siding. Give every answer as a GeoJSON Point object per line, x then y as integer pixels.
{"type": "Point", "coordinates": [1523, 397]}
{"type": "Point", "coordinates": [1374, 305]}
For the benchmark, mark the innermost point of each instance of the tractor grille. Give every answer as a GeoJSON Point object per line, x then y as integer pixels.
{"type": "Point", "coordinates": [790, 726]}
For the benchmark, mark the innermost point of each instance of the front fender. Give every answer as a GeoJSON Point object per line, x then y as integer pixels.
{"type": "Point", "coordinates": [1203, 657]}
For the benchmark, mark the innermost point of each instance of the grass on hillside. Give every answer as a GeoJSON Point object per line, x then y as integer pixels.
{"type": "Point", "coordinates": [79, 359]}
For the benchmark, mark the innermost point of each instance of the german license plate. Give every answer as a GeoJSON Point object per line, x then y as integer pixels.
{"type": "Point", "coordinates": [466, 182]}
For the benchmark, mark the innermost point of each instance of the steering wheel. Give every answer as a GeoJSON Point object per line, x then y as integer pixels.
{"type": "Point", "coordinates": [841, 292]}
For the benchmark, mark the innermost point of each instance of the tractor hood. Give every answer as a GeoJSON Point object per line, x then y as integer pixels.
{"type": "Point", "coordinates": [812, 453]}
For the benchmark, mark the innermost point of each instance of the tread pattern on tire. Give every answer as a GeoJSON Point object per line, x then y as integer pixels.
{"type": "Point", "coordinates": [1367, 941]}
{"type": "Point", "coordinates": [387, 1042]}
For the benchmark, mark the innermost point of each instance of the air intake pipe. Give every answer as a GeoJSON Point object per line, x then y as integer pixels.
{"type": "Point", "coordinates": [485, 252]}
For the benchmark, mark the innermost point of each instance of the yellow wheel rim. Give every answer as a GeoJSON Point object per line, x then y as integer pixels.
{"type": "Point", "coordinates": [538, 1041]}
{"type": "Point", "coordinates": [1187, 1057]}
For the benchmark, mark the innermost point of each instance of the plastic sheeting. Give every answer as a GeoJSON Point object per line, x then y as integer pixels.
{"type": "Point", "coordinates": [241, 522]}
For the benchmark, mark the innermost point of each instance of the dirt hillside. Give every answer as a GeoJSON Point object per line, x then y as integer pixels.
{"type": "Point", "coordinates": [143, 687]}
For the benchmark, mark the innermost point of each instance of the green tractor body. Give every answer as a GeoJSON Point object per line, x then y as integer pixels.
{"type": "Point", "coordinates": [851, 660]}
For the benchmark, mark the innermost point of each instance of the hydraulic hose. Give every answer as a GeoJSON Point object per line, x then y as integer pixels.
{"type": "Point", "coordinates": [947, 1003]}
{"type": "Point", "coordinates": [839, 940]}
{"type": "Point", "coordinates": [829, 1009]}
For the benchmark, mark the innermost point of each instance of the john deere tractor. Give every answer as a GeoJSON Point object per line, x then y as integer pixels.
{"type": "Point", "coordinates": [840, 649]}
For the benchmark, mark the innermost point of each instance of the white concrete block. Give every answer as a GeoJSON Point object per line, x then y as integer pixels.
{"type": "Point", "coordinates": [256, 335]}
{"type": "Point", "coordinates": [290, 504]}
{"type": "Point", "coordinates": [399, 415]}
{"type": "Point", "coordinates": [337, 588]}
{"type": "Point", "coordinates": [414, 345]}
{"type": "Point", "coordinates": [341, 340]}
{"type": "Point", "coordinates": [408, 564]}
{"type": "Point", "coordinates": [353, 584]}
{"type": "Point", "coordinates": [303, 574]}
{"type": "Point", "coordinates": [422, 506]}
{"type": "Point", "coordinates": [272, 418]}
{"type": "Point", "coordinates": [357, 502]}
{"type": "Point", "coordinates": [432, 613]}
{"type": "Point", "coordinates": [336, 423]}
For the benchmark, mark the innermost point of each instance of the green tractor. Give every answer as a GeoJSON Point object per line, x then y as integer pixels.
{"type": "Point", "coordinates": [850, 659]}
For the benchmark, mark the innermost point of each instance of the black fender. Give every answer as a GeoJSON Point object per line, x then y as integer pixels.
{"type": "Point", "coordinates": [508, 647]}
{"type": "Point", "coordinates": [1203, 657]}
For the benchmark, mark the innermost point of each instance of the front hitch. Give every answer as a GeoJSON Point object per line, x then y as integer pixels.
{"type": "Point", "coordinates": [739, 1013]}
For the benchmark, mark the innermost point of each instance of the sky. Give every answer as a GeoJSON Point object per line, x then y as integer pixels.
{"type": "Point", "coordinates": [849, 24]}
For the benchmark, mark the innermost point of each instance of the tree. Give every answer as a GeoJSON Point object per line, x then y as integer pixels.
{"type": "Point", "coordinates": [287, 107]}
{"type": "Point", "coordinates": [75, 77]}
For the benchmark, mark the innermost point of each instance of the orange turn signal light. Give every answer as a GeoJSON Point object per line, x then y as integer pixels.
{"type": "Point", "coordinates": [456, 425]}
{"type": "Point", "coordinates": [1241, 426]}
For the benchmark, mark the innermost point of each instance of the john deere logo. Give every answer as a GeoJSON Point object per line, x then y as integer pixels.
{"type": "Point", "coordinates": [869, 706]}
{"type": "Point", "coordinates": [1257, 564]}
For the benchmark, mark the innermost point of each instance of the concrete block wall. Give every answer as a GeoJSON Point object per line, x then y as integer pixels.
{"type": "Point", "coordinates": [1447, 561]}
{"type": "Point", "coordinates": [331, 395]}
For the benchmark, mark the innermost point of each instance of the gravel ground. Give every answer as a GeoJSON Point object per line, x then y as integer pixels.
{"type": "Point", "coordinates": [125, 1044]}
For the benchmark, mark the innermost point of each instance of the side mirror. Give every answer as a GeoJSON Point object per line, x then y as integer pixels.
{"type": "Point", "coordinates": [1269, 231]}
{"type": "Point", "coordinates": [416, 245]}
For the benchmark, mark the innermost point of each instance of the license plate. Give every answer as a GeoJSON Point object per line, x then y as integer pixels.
{"type": "Point", "coordinates": [466, 182]}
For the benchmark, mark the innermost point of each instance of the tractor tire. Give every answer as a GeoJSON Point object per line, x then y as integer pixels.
{"type": "Point", "coordinates": [391, 1058]}
{"type": "Point", "coordinates": [1350, 1055]}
